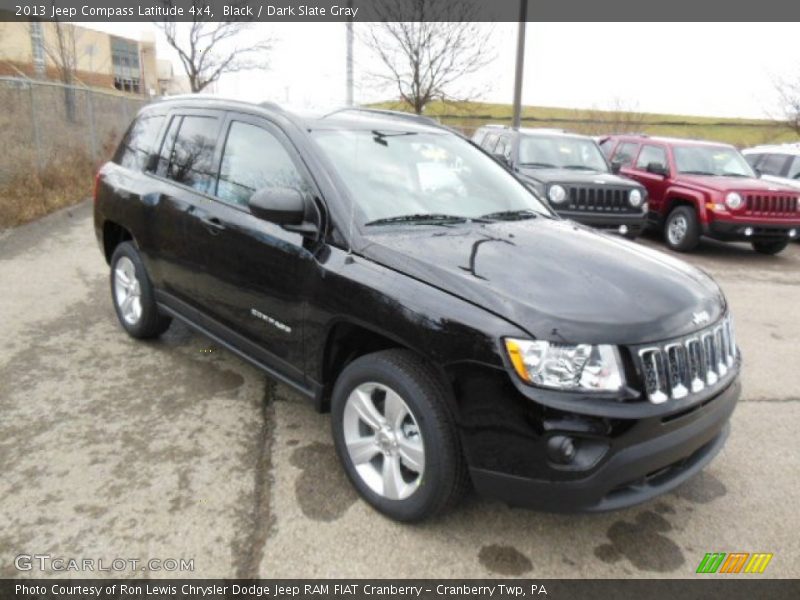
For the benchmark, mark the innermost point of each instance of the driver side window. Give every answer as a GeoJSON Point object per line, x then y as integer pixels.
{"type": "Point", "coordinates": [651, 154]}
{"type": "Point", "coordinates": [253, 158]}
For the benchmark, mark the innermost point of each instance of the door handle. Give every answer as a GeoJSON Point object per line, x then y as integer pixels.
{"type": "Point", "coordinates": [213, 225]}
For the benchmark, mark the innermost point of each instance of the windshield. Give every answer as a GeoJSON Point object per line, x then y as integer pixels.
{"type": "Point", "coordinates": [561, 152]}
{"type": "Point", "coordinates": [401, 176]}
{"type": "Point", "coordinates": [711, 160]}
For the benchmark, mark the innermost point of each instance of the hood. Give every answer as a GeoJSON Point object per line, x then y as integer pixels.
{"type": "Point", "coordinates": [576, 176]}
{"type": "Point", "coordinates": [555, 279]}
{"type": "Point", "coordinates": [731, 184]}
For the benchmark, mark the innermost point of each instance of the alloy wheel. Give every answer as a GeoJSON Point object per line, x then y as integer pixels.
{"type": "Point", "coordinates": [127, 291]}
{"type": "Point", "coordinates": [678, 226]}
{"type": "Point", "coordinates": [383, 441]}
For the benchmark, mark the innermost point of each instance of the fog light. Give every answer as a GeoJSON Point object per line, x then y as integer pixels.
{"type": "Point", "coordinates": [748, 231]}
{"type": "Point", "coordinates": [561, 449]}
{"type": "Point", "coordinates": [793, 233]}
{"type": "Point", "coordinates": [623, 229]}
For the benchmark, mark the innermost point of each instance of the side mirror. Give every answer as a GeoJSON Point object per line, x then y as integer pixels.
{"type": "Point", "coordinates": [657, 169]}
{"type": "Point", "coordinates": [279, 205]}
{"type": "Point", "coordinates": [616, 166]}
{"type": "Point", "coordinates": [503, 160]}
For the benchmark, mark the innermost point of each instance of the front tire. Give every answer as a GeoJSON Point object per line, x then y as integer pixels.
{"type": "Point", "coordinates": [132, 294]}
{"type": "Point", "coordinates": [682, 229]}
{"type": "Point", "coordinates": [770, 247]}
{"type": "Point", "coordinates": [395, 436]}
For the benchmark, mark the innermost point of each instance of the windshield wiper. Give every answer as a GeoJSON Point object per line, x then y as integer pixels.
{"type": "Point", "coordinates": [538, 165]}
{"type": "Point", "coordinates": [579, 167]}
{"type": "Point", "coordinates": [698, 173]}
{"type": "Point", "coordinates": [423, 218]}
{"type": "Point", "coordinates": [729, 174]}
{"type": "Point", "coordinates": [512, 215]}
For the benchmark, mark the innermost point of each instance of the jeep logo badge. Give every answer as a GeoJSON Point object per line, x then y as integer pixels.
{"type": "Point", "coordinates": [699, 318]}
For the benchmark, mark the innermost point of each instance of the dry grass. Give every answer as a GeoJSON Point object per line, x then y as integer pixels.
{"type": "Point", "coordinates": [468, 116]}
{"type": "Point", "coordinates": [47, 159]}
{"type": "Point", "coordinates": [28, 196]}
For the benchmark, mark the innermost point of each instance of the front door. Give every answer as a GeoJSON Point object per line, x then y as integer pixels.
{"type": "Point", "coordinates": [255, 272]}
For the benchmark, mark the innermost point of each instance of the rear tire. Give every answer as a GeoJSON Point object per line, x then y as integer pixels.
{"type": "Point", "coordinates": [132, 295]}
{"type": "Point", "coordinates": [396, 437]}
{"type": "Point", "coordinates": [682, 229]}
{"type": "Point", "coordinates": [770, 247]}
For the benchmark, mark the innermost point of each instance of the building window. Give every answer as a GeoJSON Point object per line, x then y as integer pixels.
{"type": "Point", "coordinates": [37, 47]}
{"type": "Point", "coordinates": [125, 59]}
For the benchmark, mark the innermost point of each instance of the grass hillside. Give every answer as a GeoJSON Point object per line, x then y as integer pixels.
{"type": "Point", "coordinates": [467, 116]}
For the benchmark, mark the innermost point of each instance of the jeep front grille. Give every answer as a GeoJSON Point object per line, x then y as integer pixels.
{"type": "Point", "coordinates": [771, 204]}
{"type": "Point", "coordinates": [688, 365]}
{"type": "Point", "coordinates": [599, 199]}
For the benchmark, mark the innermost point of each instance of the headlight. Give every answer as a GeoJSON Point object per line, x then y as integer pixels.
{"type": "Point", "coordinates": [733, 201]}
{"type": "Point", "coordinates": [557, 194]}
{"type": "Point", "coordinates": [581, 367]}
{"type": "Point", "coordinates": [635, 198]}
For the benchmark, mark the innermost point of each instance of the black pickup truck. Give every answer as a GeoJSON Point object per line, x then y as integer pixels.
{"type": "Point", "coordinates": [394, 273]}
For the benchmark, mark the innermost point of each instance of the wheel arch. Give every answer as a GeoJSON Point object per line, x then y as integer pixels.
{"type": "Point", "coordinates": [346, 340]}
{"type": "Point", "coordinates": [113, 235]}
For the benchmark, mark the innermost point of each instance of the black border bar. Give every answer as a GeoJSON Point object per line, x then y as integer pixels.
{"type": "Point", "coordinates": [404, 10]}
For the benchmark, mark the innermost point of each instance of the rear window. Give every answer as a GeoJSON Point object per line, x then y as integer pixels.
{"type": "Point", "coordinates": [139, 142]}
{"type": "Point", "coordinates": [191, 156]}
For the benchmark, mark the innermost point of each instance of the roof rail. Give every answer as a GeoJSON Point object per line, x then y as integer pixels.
{"type": "Point", "coordinates": [397, 114]}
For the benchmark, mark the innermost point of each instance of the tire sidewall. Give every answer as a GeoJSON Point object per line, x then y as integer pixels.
{"type": "Point", "coordinates": [691, 238]}
{"type": "Point", "coordinates": [372, 369]}
{"type": "Point", "coordinates": [142, 328]}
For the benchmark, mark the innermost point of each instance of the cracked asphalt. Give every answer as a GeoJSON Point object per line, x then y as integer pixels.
{"type": "Point", "coordinates": [112, 448]}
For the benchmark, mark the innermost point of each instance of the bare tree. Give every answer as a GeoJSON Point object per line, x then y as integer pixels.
{"type": "Point", "coordinates": [61, 50]}
{"type": "Point", "coordinates": [209, 49]}
{"type": "Point", "coordinates": [621, 116]}
{"type": "Point", "coordinates": [427, 48]}
{"type": "Point", "coordinates": [789, 98]}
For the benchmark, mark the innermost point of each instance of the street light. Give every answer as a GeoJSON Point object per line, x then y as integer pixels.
{"type": "Point", "coordinates": [523, 17]}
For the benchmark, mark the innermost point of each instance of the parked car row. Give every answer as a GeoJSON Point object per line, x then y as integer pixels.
{"type": "Point", "coordinates": [683, 188]}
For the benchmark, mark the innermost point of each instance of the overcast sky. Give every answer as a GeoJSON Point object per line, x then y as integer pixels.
{"type": "Point", "coordinates": [716, 69]}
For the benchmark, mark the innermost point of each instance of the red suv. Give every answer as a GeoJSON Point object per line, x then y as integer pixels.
{"type": "Point", "coordinates": [706, 188]}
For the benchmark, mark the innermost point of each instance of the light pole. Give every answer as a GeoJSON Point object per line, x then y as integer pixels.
{"type": "Point", "coordinates": [349, 95]}
{"type": "Point", "coordinates": [523, 16]}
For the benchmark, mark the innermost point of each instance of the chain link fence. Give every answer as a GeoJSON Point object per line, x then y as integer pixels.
{"type": "Point", "coordinates": [54, 136]}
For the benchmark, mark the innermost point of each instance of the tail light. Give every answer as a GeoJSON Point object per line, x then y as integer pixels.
{"type": "Point", "coordinates": [96, 185]}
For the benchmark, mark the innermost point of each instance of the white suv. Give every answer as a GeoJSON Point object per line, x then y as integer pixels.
{"type": "Point", "coordinates": [779, 163]}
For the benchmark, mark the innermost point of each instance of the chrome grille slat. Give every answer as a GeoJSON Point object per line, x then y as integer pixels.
{"type": "Point", "coordinates": [689, 365]}
{"type": "Point", "coordinates": [599, 199]}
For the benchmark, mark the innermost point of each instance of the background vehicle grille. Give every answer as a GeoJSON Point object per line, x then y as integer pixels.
{"type": "Point", "coordinates": [773, 204]}
{"type": "Point", "coordinates": [599, 199]}
{"type": "Point", "coordinates": [688, 365]}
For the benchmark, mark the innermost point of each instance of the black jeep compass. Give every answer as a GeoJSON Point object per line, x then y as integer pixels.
{"type": "Point", "coordinates": [573, 174]}
{"type": "Point", "coordinates": [391, 271]}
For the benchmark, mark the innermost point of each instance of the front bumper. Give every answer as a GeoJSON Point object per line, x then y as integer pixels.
{"type": "Point", "coordinates": [733, 231]}
{"type": "Point", "coordinates": [644, 458]}
{"type": "Point", "coordinates": [634, 222]}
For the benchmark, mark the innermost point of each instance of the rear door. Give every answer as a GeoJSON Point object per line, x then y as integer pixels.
{"type": "Point", "coordinates": [255, 272]}
{"type": "Point", "coordinates": [186, 173]}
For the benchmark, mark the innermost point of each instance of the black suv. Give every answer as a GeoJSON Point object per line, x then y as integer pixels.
{"type": "Point", "coordinates": [573, 174]}
{"type": "Point", "coordinates": [395, 274]}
